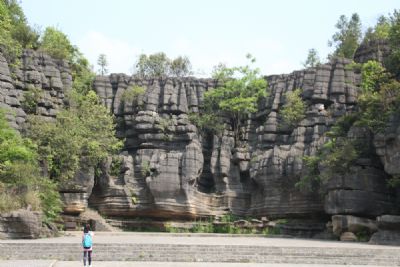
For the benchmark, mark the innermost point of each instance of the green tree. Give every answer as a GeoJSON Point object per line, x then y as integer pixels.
{"type": "Point", "coordinates": [312, 59]}
{"type": "Point", "coordinates": [373, 74]}
{"type": "Point", "coordinates": [180, 67]}
{"type": "Point", "coordinates": [24, 34]}
{"type": "Point", "coordinates": [102, 62]}
{"type": "Point", "coordinates": [238, 96]}
{"type": "Point", "coordinates": [348, 37]}
{"type": "Point", "coordinates": [10, 47]}
{"type": "Point", "coordinates": [84, 130]}
{"type": "Point", "coordinates": [393, 61]}
{"type": "Point", "coordinates": [21, 183]}
{"type": "Point", "coordinates": [158, 66]}
{"type": "Point", "coordinates": [379, 32]}
{"type": "Point", "coordinates": [293, 111]}
{"type": "Point", "coordinates": [153, 66]}
{"type": "Point", "coordinates": [82, 74]}
{"type": "Point", "coordinates": [56, 44]}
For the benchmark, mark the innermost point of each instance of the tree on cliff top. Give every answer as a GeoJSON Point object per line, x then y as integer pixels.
{"type": "Point", "coordinates": [238, 96]}
{"type": "Point", "coordinates": [312, 59]}
{"type": "Point", "coordinates": [348, 37]}
{"type": "Point", "coordinates": [56, 44]}
{"type": "Point", "coordinates": [379, 32]}
{"type": "Point", "coordinates": [102, 62]}
{"type": "Point", "coordinates": [15, 33]}
{"type": "Point", "coordinates": [393, 61]}
{"type": "Point", "coordinates": [158, 65]}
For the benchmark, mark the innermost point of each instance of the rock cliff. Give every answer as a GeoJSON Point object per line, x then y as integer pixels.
{"type": "Point", "coordinates": [171, 169]}
{"type": "Point", "coordinates": [36, 71]}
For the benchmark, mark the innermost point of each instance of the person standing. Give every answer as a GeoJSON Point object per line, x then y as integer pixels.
{"type": "Point", "coordinates": [87, 243]}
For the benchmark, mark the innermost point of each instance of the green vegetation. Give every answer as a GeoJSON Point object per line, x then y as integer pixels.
{"type": "Point", "coordinates": [31, 99]}
{"type": "Point", "coordinates": [102, 62]}
{"type": "Point", "coordinates": [133, 93]}
{"type": "Point", "coordinates": [115, 167]}
{"type": "Point", "coordinates": [293, 111]}
{"type": "Point", "coordinates": [21, 184]}
{"type": "Point", "coordinates": [373, 75]}
{"type": "Point", "coordinates": [146, 169]}
{"type": "Point", "coordinates": [207, 122]}
{"type": "Point", "coordinates": [393, 61]}
{"type": "Point", "coordinates": [56, 44]}
{"type": "Point", "coordinates": [238, 96]}
{"type": "Point", "coordinates": [348, 37]}
{"type": "Point", "coordinates": [311, 179]}
{"type": "Point", "coordinates": [15, 33]}
{"type": "Point", "coordinates": [82, 75]}
{"type": "Point", "coordinates": [159, 66]}
{"type": "Point", "coordinates": [378, 99]}
{"type": "Point", "coordinates": [379, 32]}
{"type": "Point", "coordinates": [84, 130]}
{"type": "Point", "coordinates": [312, 59]}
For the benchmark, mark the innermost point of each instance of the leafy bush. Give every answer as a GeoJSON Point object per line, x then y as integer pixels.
{"type": "Point", "coordinates": [293, 111]}
{"type": "Point", "coordinates": [31, 100]}
{"type": "Point", "coordinates": [56, 44]}
{"type": "Point", "coordinates": [241, 90]}
{"type": "Point", "coordinates": [21, 184]}
{"type": "Point", "coordinates": [207, 122]}
{"type": "Point", "coordinates": [356, 67]}
{"type": "Point", "coordinates": [115, 167]}
{"type": "Point", "coordinates": [84, 130]}
{"type": "Point", "coordinates": [82, 75]}
{"type": "Point", "coordinates": [133, 93]}
{"type": "Point", "coordinates": [146, 170]}
{"type": "Point", "coordinates": [335, 157]}
{"type": "Point", "coordinates": [373, 74]}
{"type": "Point", "coordinates": [311, 178]}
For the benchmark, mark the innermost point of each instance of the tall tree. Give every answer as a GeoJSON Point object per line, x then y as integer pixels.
{"type": "Point", "coordinates": [10, 48]}
{"type": "Point", "coordinates": [158, 65]}
{"type": "Point", "coordinates": [102, 62]}
{"type": "Point", "coordinates": [312, 59]}
{"type": "Point", "coordinates": [238, 96]}
{"type": "Point", "coordinates": [393, 61]}
{"type": "Point", "coordinates": [56, 44]}
{"type": "Point", "coordinates": [180, 67]}
{"type": "Point", "coordinates": [348, 37]}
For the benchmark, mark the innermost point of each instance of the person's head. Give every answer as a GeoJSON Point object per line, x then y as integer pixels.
{"type": "Point", "coordinates": [86, 228]}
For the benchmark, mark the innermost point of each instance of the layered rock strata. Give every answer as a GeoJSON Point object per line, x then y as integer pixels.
{"type": "Point", "coordinates": [170, 168]}
{"type": "Point", "coordinates": [50, 78]}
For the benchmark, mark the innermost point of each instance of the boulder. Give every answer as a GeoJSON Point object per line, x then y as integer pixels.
{"type": "Point", "coordinates": [348, 223]}
{"type": "Point", "coordinates": [348, 237]}
{"type": "Point", "coordinates": [20, 224]}
{"type": "Point", "coordinates": [389, 230]}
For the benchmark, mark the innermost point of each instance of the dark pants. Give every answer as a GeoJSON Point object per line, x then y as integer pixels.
{"type": "Point", "coordinates": [87, 255]}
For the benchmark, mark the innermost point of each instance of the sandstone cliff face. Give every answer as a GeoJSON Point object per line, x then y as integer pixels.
{"type": "Point", "coordinates": [376, 50]}
{"type": "Point", "coordinates": [170, 168]}
{"type": "Point", "coordinates": [35, 71]}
